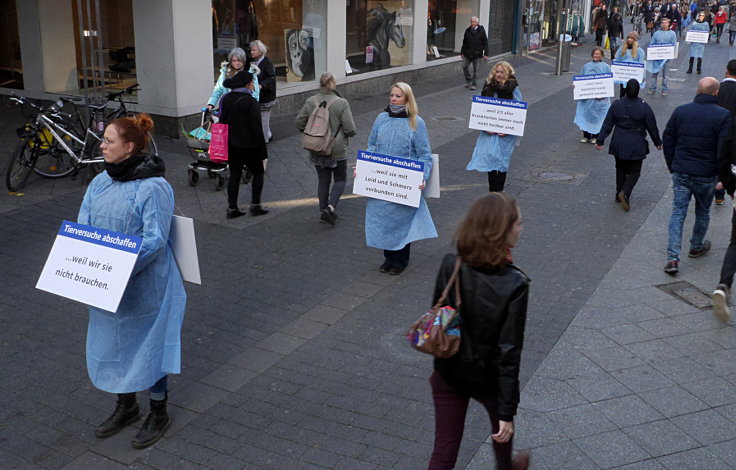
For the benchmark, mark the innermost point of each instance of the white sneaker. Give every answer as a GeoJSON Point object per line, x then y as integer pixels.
{"type": "Point", "coordinates": [584, 140]}
{"type": "Point", "coordinates": [720, 303]}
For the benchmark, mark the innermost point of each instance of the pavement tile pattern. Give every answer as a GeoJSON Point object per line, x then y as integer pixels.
{"type": "Point", "coordinates": [293, 355]}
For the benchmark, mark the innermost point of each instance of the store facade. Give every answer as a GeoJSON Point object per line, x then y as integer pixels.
{"type": "Point", "coordinates": [539, 24]}
{"type": "Point", "coordinates": [174, 48]}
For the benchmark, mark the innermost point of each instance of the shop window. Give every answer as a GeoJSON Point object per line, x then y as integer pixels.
{"type": "Point", "coordinates": [118, 43]}
{"type": "Point", "coordinates": [378, 34]}
{"type": "Point", "coordinates": [445, 18]}
{"type": "Point", "coordinates": [11, 67]}
{"type": "Point", "coordinates": [292, 30]}
{"type": "Point", "coordinates": [532, 25]}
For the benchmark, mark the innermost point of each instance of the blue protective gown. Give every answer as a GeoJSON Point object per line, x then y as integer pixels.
{"type": "Point", "coordinates": [129, 350]}
{"type": "Point", "coordinates": [493, 152]}
{"type": "Point", "coordinates": [590, 114]}
{"type": "Point", "coordinates": [621, 56]}
{"type": "Point", "coordinates": [697, 48]}
{"type": "Point", "coordinates": [388, 225]}
{"type": "Point", "coordinates": [660, 37]}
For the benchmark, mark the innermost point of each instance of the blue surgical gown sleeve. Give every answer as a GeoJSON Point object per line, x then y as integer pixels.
{"type": "Point", "coordinates": [374, 132]}
{"type": "Point", "coordinates": [157, 211]}
{"type": "Point", "coordinates": [422, 149]}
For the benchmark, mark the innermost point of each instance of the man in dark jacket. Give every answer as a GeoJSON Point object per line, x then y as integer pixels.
{"type": "Point", "coordinates": [692, 139]}
{"type": "Point", "coordinates": [727, 158]}
{"type": "Point", "coordinates": [475, 47]}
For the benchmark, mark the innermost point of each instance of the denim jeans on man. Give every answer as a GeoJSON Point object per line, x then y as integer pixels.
{"type": "Point", "coordinates": [466, 69]}
{"type": "Point", "coordinates": [684, 186]}
{"type": "Point", "coordinates": [653, 79]}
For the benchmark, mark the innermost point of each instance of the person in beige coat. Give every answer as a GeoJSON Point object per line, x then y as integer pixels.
{"type": "Point", "coordinates": [335, 165]}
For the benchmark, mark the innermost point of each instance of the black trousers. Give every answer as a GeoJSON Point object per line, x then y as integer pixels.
{"type": "Point", "coordinates": [251, 159]}
{"type": "Point", "coordinates": [496, 181]}
{"type": "Point", "coordinates": [398, 258]}
{"type": "Point", "coordinates": [599, 36]}
{"type": "Point", "coordinates": [627, 174]}
{"type": "Point", "coordinates": [729, 260]}
{"type": "Point", "coordinates": [324, 176]}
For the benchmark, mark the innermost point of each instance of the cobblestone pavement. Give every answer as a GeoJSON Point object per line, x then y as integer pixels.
{"type": "Point", "coordinates": [293, 355]}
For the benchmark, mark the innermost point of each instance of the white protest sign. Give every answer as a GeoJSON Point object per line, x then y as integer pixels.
{"type": "Point", "coordinates": [90, 265]}
{"type": "Point", "coordinates": [598, 85]}
{"type": "Point", "coordinates": [625, 71]}
{"type": "Point", "coordinates": [388, 178]}
{"type": "Point", "coordinates": [433, 185]}
{"type": "Point", "coordinates": [661, 51]}
{"type": "Point", "coordinates": [498, 115]}
{"type": "Point", "coordinates": [184, 246]}
{"type": "Point", "coordinates": [697, 36]}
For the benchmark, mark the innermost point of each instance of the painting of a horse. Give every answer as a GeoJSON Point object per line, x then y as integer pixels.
{"type": "Point", "coordinates": [382, 28]}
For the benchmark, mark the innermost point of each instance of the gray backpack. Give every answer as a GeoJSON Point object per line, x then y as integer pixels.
{"type": "Point", "coordinates": [317, 136]}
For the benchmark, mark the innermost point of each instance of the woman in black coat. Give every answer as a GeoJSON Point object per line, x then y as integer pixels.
{"type": "Point", "coordinates": [245, 145]}
{"type": "Point", "coordinates": [494, 296]}
{"type": "Point", "coordinates": [633, 118]}
{"type": "Point", "coordinates": [267, 82]}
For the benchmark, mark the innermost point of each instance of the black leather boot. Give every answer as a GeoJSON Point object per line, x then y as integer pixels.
{"type": "Point", "coordinates": [126, 412]}
{"type": "Point", "coordinates": [700, 63]}
{"type": "Point", "coordinates": [690, 68]}
{"type": "Point", "coordinates": [153, 428]}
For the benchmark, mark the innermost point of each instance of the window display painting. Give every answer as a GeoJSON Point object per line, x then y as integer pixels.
{"type": "Point", "coordinates": [299, 55]}
{"type": "Point", "coordinates": [386, 35]}
{"type": "Point", "coordinates": [234, 24]}
{"type": "Point", "coordinates": [292, 30]}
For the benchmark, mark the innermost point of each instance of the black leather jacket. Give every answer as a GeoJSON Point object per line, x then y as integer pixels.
{"type": "Point", "coordinates": [493, 312]}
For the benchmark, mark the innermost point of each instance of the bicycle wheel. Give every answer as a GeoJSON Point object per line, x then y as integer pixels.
{"type": "Point", "coordinates": [20, 165]}
{"type": "Point", "coordinates": [54, 163]}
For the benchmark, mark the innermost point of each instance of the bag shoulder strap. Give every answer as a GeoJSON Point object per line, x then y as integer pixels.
{"type": "Point", "coordinates": [332, 101]}
{"type": "Point", "coordinates": [454, 281]}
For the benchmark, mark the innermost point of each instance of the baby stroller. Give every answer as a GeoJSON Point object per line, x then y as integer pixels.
{"type": "Point", "coordinates": [198, 142]}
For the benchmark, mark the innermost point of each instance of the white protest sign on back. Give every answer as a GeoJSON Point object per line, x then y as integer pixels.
{"type": "Point", "coordinates": [661, 51]}
{"type": "Point", "coordinates": [388, 178]}
{"type": "Point", "coordinates": [433, 185]}
{"type": "Point", "coordinates": [184, 247]}
{"type": "Point", "coordinates": [625, 71]}
{"type": "Point", "coordinates": [90, 265]}
{"type": "Point", "coordinates": [697, 36]}
{"type": "Point", "coordinates": [598, 85]}
{"type": "Point", "coordinates": [498, 115]}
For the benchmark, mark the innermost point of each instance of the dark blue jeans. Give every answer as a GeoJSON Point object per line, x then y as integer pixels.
{"type": "Point", "coordinates": [684, 186]}
{"type": "Point", "coordinates": [158, 391]}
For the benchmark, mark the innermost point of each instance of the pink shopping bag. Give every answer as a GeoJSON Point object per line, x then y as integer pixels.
{"type": "Point", "coordinates": [218, 143]}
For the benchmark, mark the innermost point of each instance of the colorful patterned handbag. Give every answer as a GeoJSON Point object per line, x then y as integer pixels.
{"type": "Point", "coordinates": [437, 332]}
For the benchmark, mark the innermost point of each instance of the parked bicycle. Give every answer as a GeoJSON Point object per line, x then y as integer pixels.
{"type": "Point", "coordinates": [56, 144]}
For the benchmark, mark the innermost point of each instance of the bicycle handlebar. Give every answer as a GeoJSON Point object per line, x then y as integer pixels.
{"type": "Point", "coordinates": [127, 91]}
{"type": "Point", "coordinates": [21, 100]}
